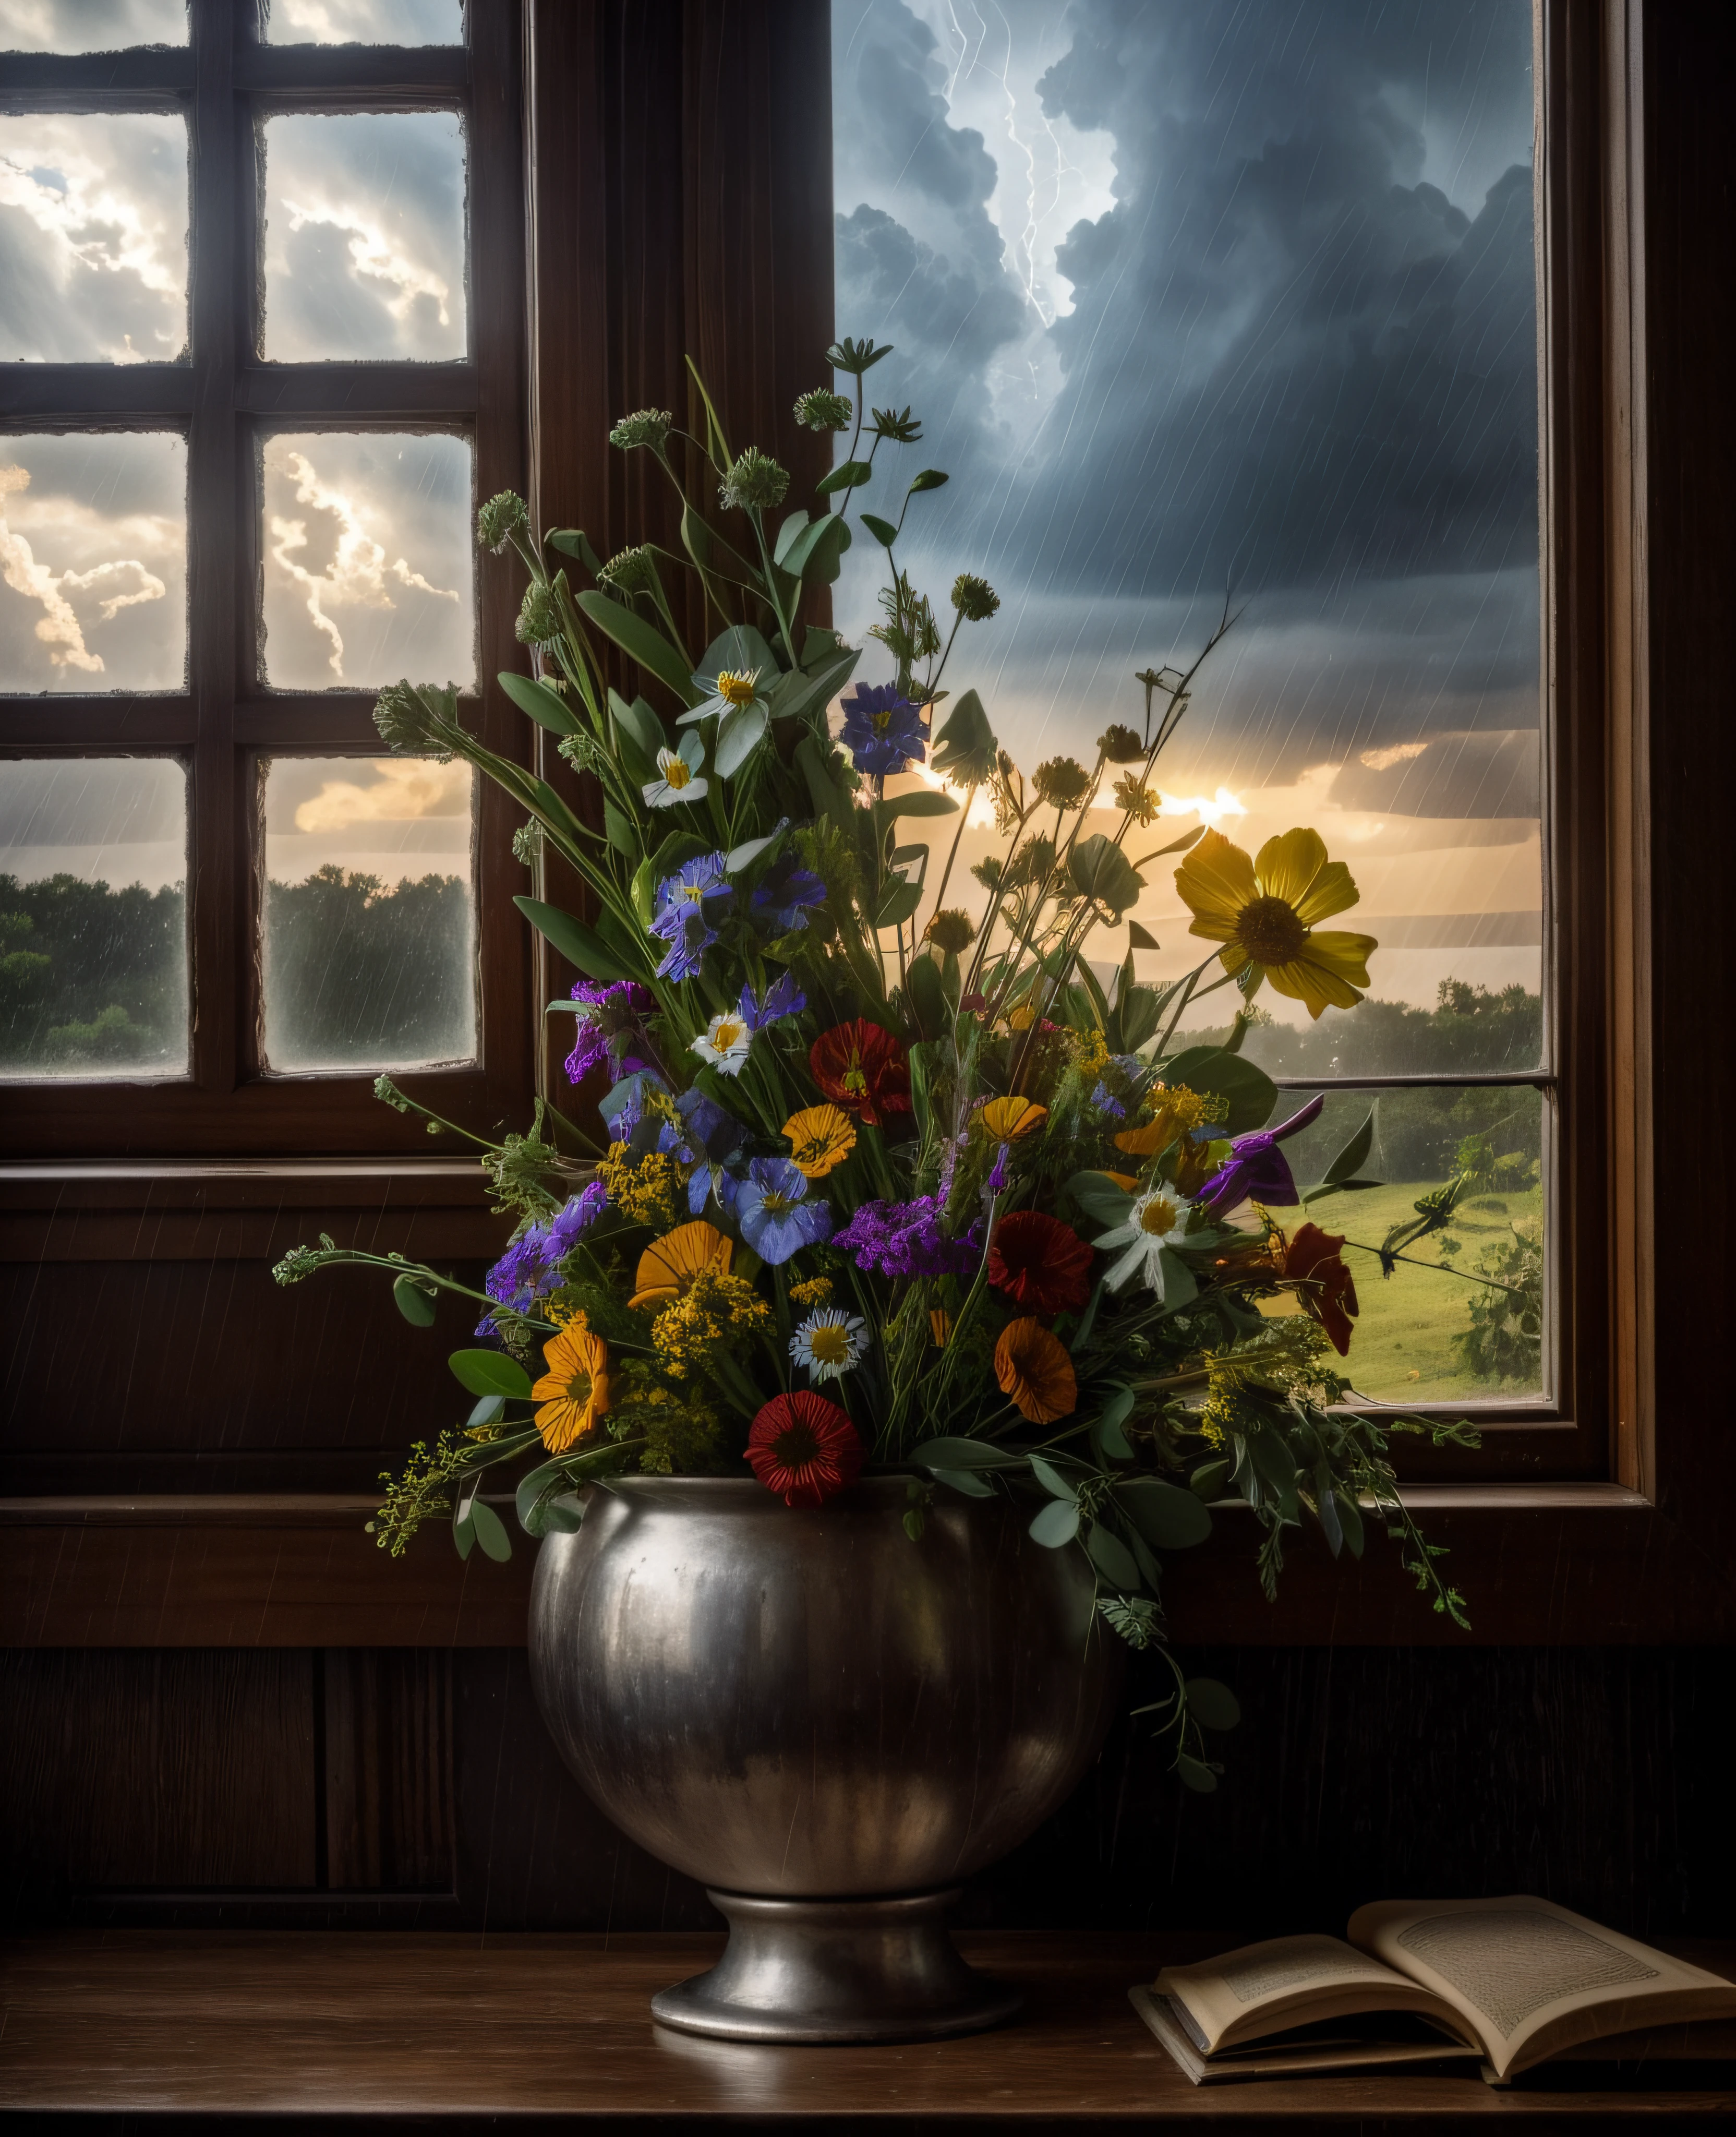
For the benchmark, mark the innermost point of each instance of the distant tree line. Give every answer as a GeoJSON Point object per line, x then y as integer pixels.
{"type": "Point", "coordinates": [356, 973]}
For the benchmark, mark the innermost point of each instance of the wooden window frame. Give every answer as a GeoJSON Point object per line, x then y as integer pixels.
{"type": "Point", "coordinates": [224, 399]}
{"type": "Point", "coordinates": [667, 213]}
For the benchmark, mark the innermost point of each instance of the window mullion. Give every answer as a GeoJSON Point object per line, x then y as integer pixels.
{"type": "Point", "coordinates": [221, 176]}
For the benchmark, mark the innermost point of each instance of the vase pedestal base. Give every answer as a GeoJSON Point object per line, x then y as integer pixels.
{"type": "Point", "coordinates": [817, 1970]}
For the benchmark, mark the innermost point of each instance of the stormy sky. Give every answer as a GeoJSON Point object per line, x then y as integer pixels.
{"type": "Point", "coordinates": [1230, 299]}
{"type": "Point", "coordinates": [105, 26]}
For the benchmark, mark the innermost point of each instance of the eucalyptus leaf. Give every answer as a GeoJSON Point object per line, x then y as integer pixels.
{"type": "Point", "coordinates": [1056, 1524]}
{"type": "Point", "coordinates": [957, 1453]}
{"type": "Point", "coordinates": [1111, 1557]}
{"type": "Point", "coordinates": [963, 1480]}
{"type": "Point", "coordinates": [1112, 1419]}
{"type": "Point", "coordinates": [491, 1531]}
{"type": "Point", "coordinates": [1051, 1479]}
{"type": "Point", "coordinates": [1208, 1480]}
{"type": "Point", "coordinates": [414, 1302]}
{"type": "Point", "coordinates": [490, 1373]}
{"type": "Point", "coordinates": [1168, 1516]}
{"type": "Point", "coordinates": [1213, 1705]}
{"type": "Point", "coordinates": [1195, 1775]}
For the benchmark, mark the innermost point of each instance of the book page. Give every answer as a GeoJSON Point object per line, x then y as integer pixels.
{"type": "Point", "coordinates": [1532, 1978]}
{"type": "Point", "coordinates": [1288, 1981]}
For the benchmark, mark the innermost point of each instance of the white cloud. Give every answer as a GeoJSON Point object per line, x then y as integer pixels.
{"type": "Point", "coordinates": [403, 790]}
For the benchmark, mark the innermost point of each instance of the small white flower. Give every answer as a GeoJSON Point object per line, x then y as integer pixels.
{"type": "Point", "coordinates": [725, 692]}
{"type": "Point", "coordinates": [724, 1042]}
{"type": "Point", "coordinates": [830, 1342]}
{"type": "Point", "coordinates": [678, 778]}
{"type": "Point", "coordinates": [1158, 1219]}
{"type": "Point", "coordinates": [741, 710]}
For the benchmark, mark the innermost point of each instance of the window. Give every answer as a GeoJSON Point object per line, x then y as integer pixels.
{"type": "Point", "coordinates": [1197, 315]}
{"type": "Point", "coordinates": [260, 326]}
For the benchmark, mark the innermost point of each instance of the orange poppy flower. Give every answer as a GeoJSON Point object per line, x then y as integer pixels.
{"type": "Point", "coordinates": [1035, 1371]}
{"type": "Point", "coordinates": [574, 1392]}
{"type": "Point", "coordinates": [1007, 1119]}
{"type": "Point", "coordinates": [863, 1068]}
{"type": "Point", "coordinates": [821, 1138]}
{"type": "Point", "coordinates": [669, 1265]}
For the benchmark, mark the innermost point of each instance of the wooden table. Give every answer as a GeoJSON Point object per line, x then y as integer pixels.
{"type": "Point", "coordinates": [153, 2030]}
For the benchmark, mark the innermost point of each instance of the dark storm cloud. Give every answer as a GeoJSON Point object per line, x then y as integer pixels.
{"type": "Point", "coordinates": [1290, 361]}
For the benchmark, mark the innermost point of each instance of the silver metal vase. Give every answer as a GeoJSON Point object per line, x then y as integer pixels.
{"type": "Point", "coordinates": [827, 1724]}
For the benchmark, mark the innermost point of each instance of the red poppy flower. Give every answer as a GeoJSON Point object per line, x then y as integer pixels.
{"type": "Point", "coordinates": [1039, 1262]}
{"type": "Point", "coordinates": [804, 1447]}
{"type": "Point", "coordinates": [1328, 1290]}
{"type": "Point", "coordinates": [864, 1069]}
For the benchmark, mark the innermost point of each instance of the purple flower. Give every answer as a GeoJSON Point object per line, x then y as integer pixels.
{"type": "Point", "coordinates": [526, 1272]}
{"type": "Point", "coordinates": [773, 1210]}
{"type": "Point", "coordinates": [782, 998]}
{"type": "Point", "coordinates": [783, 894]}
{"type": "Point", "coordinates": [689, 905]}
{"type": "Point", "coordinates": [997, 1180]}
{"type": "Point", "coordinates": [623, 1105]}
{"type": "Point", "coordinates": [882, 730]}
{"type": "Point", "coordinates": [611, 1026]}
{"type": "Point", "coordinates": [717, 1136]}
{"type": "Point", "coordinates": [1256, 1168]}
{"type": "Point", "coordinates": [904, 1238]}
{"type": "Point", "coordinates": [1104, 1100]}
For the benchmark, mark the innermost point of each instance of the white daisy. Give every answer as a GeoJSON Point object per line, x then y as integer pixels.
{"type": "Point", "coordinates": [678, 774]}
{"type": "Point", "coordinates": [741, 710]}
{"type": "Point", "coordinates": [1158, 1219]}
{"type": "Point", "coordinates": [724, 1042]}
{"type": "Point", "coordinates": [830, 1342]}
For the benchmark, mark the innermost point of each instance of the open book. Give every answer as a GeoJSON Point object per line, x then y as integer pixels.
{"type": "Point", "coordinates": [1509, 1982]}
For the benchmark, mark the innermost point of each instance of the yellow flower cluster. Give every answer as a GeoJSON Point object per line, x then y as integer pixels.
{"type": "Point", "coordinates": [651, 1189]}
{"type": "Point", "coordinates": [715, 1307]}
{"type": "Point", "coordinates": [1175, 1110]}
{"type": "Point", "coordinates": [812, 1291]}
{"type": "Point", "coordinates": [1090, 1052]}
{"type": "Point", "coordinates": [1283, 1356]}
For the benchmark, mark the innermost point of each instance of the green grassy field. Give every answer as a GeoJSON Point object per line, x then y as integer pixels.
{"type": "Point", "coordinates": [1403, 1347]}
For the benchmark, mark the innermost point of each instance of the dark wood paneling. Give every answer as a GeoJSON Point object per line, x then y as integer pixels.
{"type": "Point", "coordinates": [387, 1769]}
{"type": "Point", "coordinates": [154, 1769]}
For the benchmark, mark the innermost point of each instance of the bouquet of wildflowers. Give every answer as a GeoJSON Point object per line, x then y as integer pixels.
{"type": "Point", "coordinates": [888, 1182]}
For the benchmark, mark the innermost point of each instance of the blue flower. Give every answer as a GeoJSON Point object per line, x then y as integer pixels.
{"type": "Point", "coordinates": [783, 894]}
{"type": "Point", "coordinates": [530, 1266]}
{"type": "Point", "coordinates": [772, 1209]}
{"type": "Point", "coordinates": [882, 730]}
{"type": "Point", "coordinates": [718, 1137]}
{"type": "Point", "coordinates": [689, 905]}
{"type": "Point", "coordinates": [782, 998]}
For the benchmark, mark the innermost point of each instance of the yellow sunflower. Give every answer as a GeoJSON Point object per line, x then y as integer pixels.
{"type": "Point", "coordinates": [574, 1392]}
{"type": "Point", "coordinates": [1007, 1119]}
{"type": "Point", "coordinates": [1265, 912]}
{"type": "Point", "coordinates": [669, 1265]}
{"type": "Point", "coordinates": [821, 1138]}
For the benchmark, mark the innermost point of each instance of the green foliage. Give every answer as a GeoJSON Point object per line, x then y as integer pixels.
{"type": "Point", "coordinates": [1505, 1340]}
{"type": "Point", "coordinates": [91, 976]}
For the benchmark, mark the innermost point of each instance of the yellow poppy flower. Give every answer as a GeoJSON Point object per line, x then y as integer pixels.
{"type": "Point", "coordinates": [821, 1138]}
{"type": "Point", "coordinates": [574, 1392]}
{"type": "Point", "coordinates": [669, 1265]}
{"type": "Point", "coordinates": [1265, 912]}
{"type": "Point", "coordinates": [1007, 1119]}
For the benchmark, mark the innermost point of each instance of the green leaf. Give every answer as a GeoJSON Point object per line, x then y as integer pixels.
{"type": "Point", "coordinates": [1349, 1161]}
{"type": "Point", "coordinates": [790, 527]}
{"type": "Point", "coordinates": [898, 901]}
{"type": "Point", "coordinates": [1195, 1775]}
{"type": "Point", "coordinates": [414, 1302]}
{"type": "Point", "coordinates": [491, 1531]}
{"type": "Point", "coordinates": [490, 1373]}
{"type": "Point", "coordinates": [546, 1476]}
{"type": "Point", "coordinates": [964, 1455]}
{"type": "Point", "coordinates": [964, 749]}
{"type": "Point", "coordinates": [1169, 1517]}
{"type": "Point", "coordinates": [639, 724]}
{"type": "Point", "coordinates": [1111, 1420]}
{"type": "Point", "coordinates": [1101, 870]}
{"type": "Point", "coordinates": [818, 555]}
{"type": "Point", "coordinates": [850, 477]}
{"type": "Point", "coordinates": [574, 542]}
{"type": "Point", "coordinates": [739, 733]}
{"type": "Point", "coordinates": [1181, 1287]}
{"type": "Point", "coordinates": [914, 1523]}
{"type": "Point", "coordinates": [1058, 1523]}
{"type": "Point", "coordinates": [1208, 1480]}
{"type": "Point", "coordinates": [1051, 1479]}
{"type": "Point", "coordinates": [739, 649]}
{"type": "Point", "coordinates": [1142, 938]}
{"type": "Point", "coordinates": [581, 946]}
{"type": "Point", "coordinates": [883, 530]}
{"type": "Point", "coordinates": [929, 478]}
{"type": "Point", "coordinates": [829, 799]}
{"type": "Point", "coordinates": [636, 638]}
{"type": "Point", "coordinates": [1213, 1705]}
{"type": "Point", "coordinates": [1250, 1090]}
{"type": "Point", "coordinates": [962, 1480]}
{"type": "Point", "coordinates": [922, 985]}
{"type": "Point", "coordinates": [1099, 1197]}
{"type": "Point", "coordinates": [543, 705]}
{"type": "Point", "coordinates": [800, 691]}
{"type": "Point", "coordinates": [1111, 1557]}
{"type": "Point", "coordinates": [924, 802]}
{"type": "Point", "coordinates": [620, 830]}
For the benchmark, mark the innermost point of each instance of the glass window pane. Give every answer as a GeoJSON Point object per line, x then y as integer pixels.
{"type": "Point", "coordinates": [367, 561]}
{"type": "Point", "coordinates": [93, 917]}
{"type": "Point", "coordinates": [93, 562]}
{"type": "Point", "coordinates": [364, 22]}
{"type": "Point", "coordinates": [1420, 1336]}
{"type": "Point", "coordinates": [93, 237]}
{"type": "Point", "coordinates": [90, 26]}
{"type": "Point", "coordinates": [370, 956]}
{"type": "Point", "coordinates": [1195, 301]}
{"type": "Point", "coordinates": [364, 237]}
